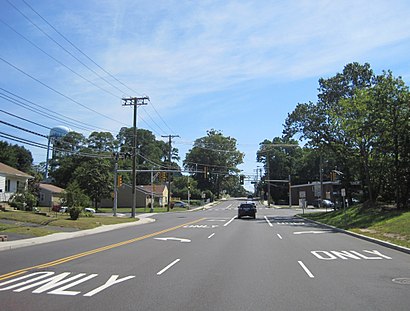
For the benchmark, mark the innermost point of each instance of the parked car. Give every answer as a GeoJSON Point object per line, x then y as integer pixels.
{"type": "Point", "coordinates": [247, 209]}
{"type": "Point", "coordinates": [89, 210]}
{"type": "Point", "coordinates": [179, 204]}
{"type": "Point", "coordinates": [325, 203]}
{"type": "Point", "coordinates": [328, 204]}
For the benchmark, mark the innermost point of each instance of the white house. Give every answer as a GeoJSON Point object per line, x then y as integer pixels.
{"type": "Point", "coordinates": [11, 180]}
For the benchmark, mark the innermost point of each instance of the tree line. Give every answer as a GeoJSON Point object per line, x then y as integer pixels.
{"type": "Point", "coordinates": [85, 165]}
{"type": "Point", "coordinates": [359, 126]}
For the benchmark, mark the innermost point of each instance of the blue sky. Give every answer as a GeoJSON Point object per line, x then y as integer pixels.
{"type": "Point", "coordinates": [235, 66]}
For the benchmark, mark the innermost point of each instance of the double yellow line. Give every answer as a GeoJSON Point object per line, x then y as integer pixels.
{"type": "Point", "coordinates": [91, 252]}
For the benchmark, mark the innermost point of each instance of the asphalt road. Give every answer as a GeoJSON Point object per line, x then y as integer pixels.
{"type": "Point", "coordinates": [208, 260]}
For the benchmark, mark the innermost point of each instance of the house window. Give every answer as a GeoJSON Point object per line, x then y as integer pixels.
{"type": "Point", "coordinates": [7, 185]}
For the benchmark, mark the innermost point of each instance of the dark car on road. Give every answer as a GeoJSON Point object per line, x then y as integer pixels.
{"type": "Point", "coordinates": [247, 209]}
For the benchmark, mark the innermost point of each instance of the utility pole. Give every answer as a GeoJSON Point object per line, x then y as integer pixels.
{"type": "Point", "coordinates": [115, 205]}
{"type": "Point", "coordinates": [169, 173]}
{"type": "Point", "coordinates": [134, 101]}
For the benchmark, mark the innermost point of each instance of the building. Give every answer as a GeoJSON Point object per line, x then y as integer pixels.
{"type": "Point", "coordinates": [143, 194]}
{"type": "Point", "coordinates": [12, 181]}
{"type": "Point", "coordinates": [49, 195]}
{"type": "Point", "coordinates": [310, 192]}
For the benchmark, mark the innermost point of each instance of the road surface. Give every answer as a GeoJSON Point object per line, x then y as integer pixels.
{"type": "Point", "coordinates": [208, 260]}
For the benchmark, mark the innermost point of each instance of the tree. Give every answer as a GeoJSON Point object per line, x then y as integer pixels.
{"type": "Point", "coordinates": [95, 178]}
{"type": "Point", "coordinates": [102, 142]}
{"type": "Point", "coordinates": [213, 159]}
{"type": "Point", "coordinates": [362, 120]}
{"type": "Point", "coordinates": [16, 156]}
{"type": "Point", "coordinates": [150, 152]}
{"type": "Point", "coordinates": [279, 158]}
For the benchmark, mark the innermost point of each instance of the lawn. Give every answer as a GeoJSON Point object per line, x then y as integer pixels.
{"type": "Point", "coordinates": [24, 220]}
{"type": "Point", "coordinates": [388, 225]}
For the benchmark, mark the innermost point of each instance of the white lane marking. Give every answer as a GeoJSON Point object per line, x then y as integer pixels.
{"type": "Point", "coordinates": [174, 239]}
{"type": "Point", "coordinates": [279, 236]}
{"type": "Point", "coordinates": [306, 269]}
{"type": "Point", "coordinates": [211, 235]}
{"type": "Point", "coordinates": [229, 221]}
{"type": "Point", "coordinates": [169, 266]}
{"type": "Point", "coordinates": [267, 220]}
{"type": "Point", "coordinates": [228, 206]}
{"type": "Point", "coordinates": [306, 232]}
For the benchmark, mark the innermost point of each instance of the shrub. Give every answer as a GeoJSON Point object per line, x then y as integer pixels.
{"type": "Point", "coordinates": [74, 212]}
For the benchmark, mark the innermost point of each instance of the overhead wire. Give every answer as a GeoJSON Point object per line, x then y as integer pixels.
{"type": "Point", "coordinates": [96, 64]}
{"type": "Point", "coordinates": [27, 104]}
{"type": "Point", "coordinates": [24, 119]}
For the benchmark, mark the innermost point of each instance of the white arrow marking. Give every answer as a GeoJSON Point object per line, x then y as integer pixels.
{"type": "Point", "coordinates": [313, 232]}
{"type": "Point", "coordinates": [174, 239]}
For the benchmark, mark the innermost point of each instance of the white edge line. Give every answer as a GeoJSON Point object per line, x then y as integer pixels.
{"type": "Point", "coordinates": [306, 269]}
{"type": "Point", "coordinates": [267, 220]}
{"type": "Point", "coordinates": [279, 236]}
{"type": "Point", "coordinates": [211, 235]}
{"type": "Point", "coordinates": [229, 221]}
{"type": "Point", "coordinates": [169, 266]}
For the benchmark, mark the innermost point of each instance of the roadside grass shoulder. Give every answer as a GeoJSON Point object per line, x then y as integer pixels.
{"type": "Point", "coordinates": [387, 225]}
{"type": "Point", "coordinates": [23, 222]}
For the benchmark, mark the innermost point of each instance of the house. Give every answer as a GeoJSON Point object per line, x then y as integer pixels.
{"type": "Point", "coordinates": [11, 181]}
{"type": "Point", "coordinates": [49, 195]}
{"type": "Point", "coordinates": [143, 196]}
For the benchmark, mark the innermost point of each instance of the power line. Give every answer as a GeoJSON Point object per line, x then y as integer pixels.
{"type": "Point", "coordinates": [58, 92]}
{"type": "Point", "coordinates": [21, 118]}
{"type": "Point", "coordinates": [91, 60]}
{"type": "Point", "coordinates": [96, 64]}
{"type": "Point", "coordinates": [23, 129]}
{"type": "Point", "coordinates": [25, 103]}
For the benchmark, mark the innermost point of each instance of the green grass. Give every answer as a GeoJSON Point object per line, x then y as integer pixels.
{"type": "Point", "coordinates": [388, 225]}
{"type": "Point", "coordinates": [141, 210]}
{"type": "Point", "coordinates": [54, 219]}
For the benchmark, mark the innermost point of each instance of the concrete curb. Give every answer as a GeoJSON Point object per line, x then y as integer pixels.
{"type": "Point", "coordinates": [363, 237]}
{"type": "Point", "coordinates": [69, 235]}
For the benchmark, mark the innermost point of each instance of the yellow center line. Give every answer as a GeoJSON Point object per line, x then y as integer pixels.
{"type": "Point", "coordinates": [91, 252]}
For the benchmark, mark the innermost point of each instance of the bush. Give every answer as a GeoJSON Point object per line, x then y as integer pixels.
{"type": "Point", "coordinates": [23, 201]}
{"type": "Point", "coordinates": [74, 212]}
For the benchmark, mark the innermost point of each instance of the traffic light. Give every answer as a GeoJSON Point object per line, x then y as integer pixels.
{"type": "Point", "coordinates": [242, 179]}
{"type": "Point", "coordinates": [162, 176]}
{"type": "Point", "coordinates": [333, 176]}
{"type": "Point", "coordinates": [119, 181]}
{"type": "Point", "coordinates": [205, 172]}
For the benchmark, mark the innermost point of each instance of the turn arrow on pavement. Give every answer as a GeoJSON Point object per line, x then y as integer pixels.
{"type": "Point", "coordinates": [174, 239]}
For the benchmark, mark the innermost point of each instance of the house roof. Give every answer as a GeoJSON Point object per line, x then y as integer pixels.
{"type": "Point", "coordinates": [11, 171]}
{"type": "Point", "coordinates": [50, 188]}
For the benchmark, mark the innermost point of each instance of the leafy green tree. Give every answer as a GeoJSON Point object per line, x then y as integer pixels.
{"type": "Point", "coordinates": [102, 142]}
{"type": "Point", "coordinates": [95, 178]}
{"type": "Point", "coordinates": [217, 157]}
{"type": "Point", "coordinates": [362, 120]}
{"type": "Point", "coordinates": [279, 158]}
{"type": "Point", "coordinates": [151, 153]}
{"type": "Point", "coordinates": [180, 187]}
{"type": "Point", "coordinates": [16, 156]}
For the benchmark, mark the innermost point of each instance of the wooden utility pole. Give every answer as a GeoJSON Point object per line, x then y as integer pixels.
{"type": "Point", "coordinates": [134, 101]}
{"type": "Point", "coordinates": [169, 173]}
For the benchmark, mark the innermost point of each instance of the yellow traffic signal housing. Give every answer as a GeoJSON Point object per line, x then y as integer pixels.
{"type": "Point", "coordinates": [119, 181]}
